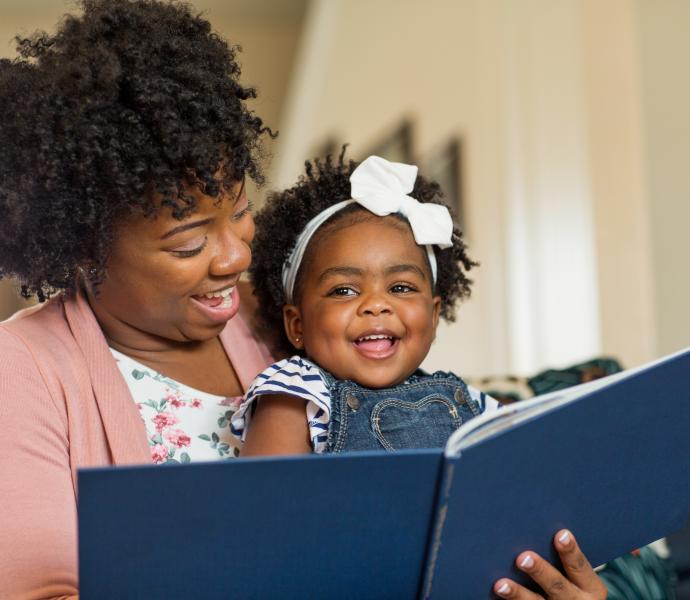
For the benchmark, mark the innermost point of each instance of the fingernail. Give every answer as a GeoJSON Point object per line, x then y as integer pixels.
{"type": "Point", "coordinates": [504, 589]}
{"type": "Point", "coordinates": [564, 538]}
{"type": "Point", "coordinates": [527, 562]}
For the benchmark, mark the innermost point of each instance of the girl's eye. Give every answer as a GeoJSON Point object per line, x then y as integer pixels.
{"type": "Point", "coordinates": [186, 253]}
{"type": "Point", "coordinates": [402, 288]}
{"type": "Point", "coordinates": [342, 291]}
{"type": "Point", "coordinates": [239, 215]}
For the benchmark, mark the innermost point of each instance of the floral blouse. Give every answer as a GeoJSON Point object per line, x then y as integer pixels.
{"type": "Point", "coordinates": [182, 424]}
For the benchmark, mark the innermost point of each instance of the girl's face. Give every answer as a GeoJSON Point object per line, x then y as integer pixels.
{"type": "Point", "coordinates": [175, 280]}
{"type": "Point", "coordinates": [366, 312]}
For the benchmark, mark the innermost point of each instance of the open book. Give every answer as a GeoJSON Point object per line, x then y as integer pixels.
{"type": "Point", "coordinates": [609, 459]}
{"type": "Point", "coordinates": [492, 423]}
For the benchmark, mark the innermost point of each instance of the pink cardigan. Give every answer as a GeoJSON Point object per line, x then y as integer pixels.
{"type": "Point", "coordinates": [64, 405]}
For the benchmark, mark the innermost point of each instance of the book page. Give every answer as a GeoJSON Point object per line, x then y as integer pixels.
{"type": "Point", "coordinates": [486, 425]}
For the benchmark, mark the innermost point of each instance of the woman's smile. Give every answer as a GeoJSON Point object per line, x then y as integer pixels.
{"type": "Point", "coordinates": [219, 306]}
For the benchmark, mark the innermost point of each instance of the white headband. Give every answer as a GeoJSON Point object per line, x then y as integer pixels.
{"type": "Point", "coordinates": [381, 187]}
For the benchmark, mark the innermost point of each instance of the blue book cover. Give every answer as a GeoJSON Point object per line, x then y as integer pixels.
{"type": "Point", "coordinates": [609, 460]}
{"type": "Point", "coordinates": [340, 526]}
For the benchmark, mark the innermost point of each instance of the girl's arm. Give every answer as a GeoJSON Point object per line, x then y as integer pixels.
{"type": "Point", "coordinates": [279, 426]}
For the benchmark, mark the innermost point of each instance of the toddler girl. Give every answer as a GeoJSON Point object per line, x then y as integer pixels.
{"type": "Point", "coordinates": [356, 265]}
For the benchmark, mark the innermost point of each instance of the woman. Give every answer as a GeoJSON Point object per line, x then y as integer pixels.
{"type": "Point", "coordinates": [124, 147]}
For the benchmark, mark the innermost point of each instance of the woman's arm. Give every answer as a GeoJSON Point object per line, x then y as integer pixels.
{"type": "Point", "coordinates": [580, 582]}
{"type": "Point", "coordinates": [38, 552]}
{"type": "Point", "coordinates": [279, 426]}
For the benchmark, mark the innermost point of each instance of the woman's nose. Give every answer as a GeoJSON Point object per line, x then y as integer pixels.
{"type": "Point", "coordinates": [232, 253]}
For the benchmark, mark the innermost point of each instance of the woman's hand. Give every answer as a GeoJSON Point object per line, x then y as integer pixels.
{"type": "Point", "coordinates": [580, 582]}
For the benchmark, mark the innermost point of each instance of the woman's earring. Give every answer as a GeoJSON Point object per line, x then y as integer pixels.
{"type": "Point", "coordinates": [297, 340]}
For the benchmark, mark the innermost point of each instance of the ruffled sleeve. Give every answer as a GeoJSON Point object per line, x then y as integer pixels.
{"type": "Point", "coordinates": [486, 402]}
{"type": "Point", "coordinates": [296, 377]}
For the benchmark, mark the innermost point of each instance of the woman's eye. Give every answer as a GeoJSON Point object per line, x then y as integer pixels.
{"type": "Point", "coordinates": [184, 252]}
{"type": "Point", "coordinates": [342, 291]}
{"type": "Point", "coordinates": [240, 214]}
{"type": "Point", "coordinates": [402, 288]}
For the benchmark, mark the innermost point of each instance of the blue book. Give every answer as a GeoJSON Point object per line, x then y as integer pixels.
{"type": "Point", "coordinates": [610, 460]}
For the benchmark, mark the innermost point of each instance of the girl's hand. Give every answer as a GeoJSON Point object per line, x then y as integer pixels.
{"type": "Point", "coordinates": [580, 582]}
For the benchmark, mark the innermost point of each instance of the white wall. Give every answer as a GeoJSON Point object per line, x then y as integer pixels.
{"type": "Point", "coordinates": [664, 49]}
{"type": "Point", "coordinates": [550, 260]}
{"type": "Point", "coordinates": [618, 181]}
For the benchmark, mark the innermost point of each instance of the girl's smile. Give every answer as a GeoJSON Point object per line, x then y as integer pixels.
{"type": "Point", "coordinates": [365, 309]}
{"type": "Point", "coordinates": [377, 344]}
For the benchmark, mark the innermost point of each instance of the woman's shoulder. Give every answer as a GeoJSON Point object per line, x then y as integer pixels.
{"type": "Point", "coordinates": [37, 326]}
{"type": "Point", "coordinates": [249, 314]}
{"type": "Point", "coordinates": [33, 351]}
{"type": "Point", "coordinates": [40, 339]}
{"type": "Point", "coordinates": [249, 347]}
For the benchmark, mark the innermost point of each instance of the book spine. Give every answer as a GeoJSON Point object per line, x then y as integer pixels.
{"type": "Point", "coordinates": [439, 524]}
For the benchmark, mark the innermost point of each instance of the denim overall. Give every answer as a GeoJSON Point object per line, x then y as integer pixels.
{"type": "Point", "coordinates": [422, 412]}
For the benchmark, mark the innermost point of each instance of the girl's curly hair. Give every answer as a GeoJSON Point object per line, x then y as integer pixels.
{"type": "Point", "coordinates": [127, 102]}
{"type": "Point", "coordinates": [285, 214]}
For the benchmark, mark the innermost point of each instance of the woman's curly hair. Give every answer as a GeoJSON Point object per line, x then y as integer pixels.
{"type": "Point", "coordinates": [126, 103]}
{"type": "Point", "coordinates": [285, 215]}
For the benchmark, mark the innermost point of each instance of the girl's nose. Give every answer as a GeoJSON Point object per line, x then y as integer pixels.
{"type": "Point", "coordinates": [374, 304]}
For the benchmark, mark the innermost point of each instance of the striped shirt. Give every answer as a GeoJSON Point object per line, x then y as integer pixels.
{"type": "Point", "coordinates": [299, 377]}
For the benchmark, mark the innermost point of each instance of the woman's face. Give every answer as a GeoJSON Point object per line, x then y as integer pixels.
{"type": "Point", "coordinates": [169, 279]}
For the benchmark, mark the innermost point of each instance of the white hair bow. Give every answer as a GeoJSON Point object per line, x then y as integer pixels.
{"type": "Point", "coordinates": [382, 187]}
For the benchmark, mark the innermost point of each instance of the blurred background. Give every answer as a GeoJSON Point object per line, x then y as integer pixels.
{"type": "Point", "coordinates": [559, 129]}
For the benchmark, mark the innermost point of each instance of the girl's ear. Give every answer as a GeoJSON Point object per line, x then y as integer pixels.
{"type": "Point", "coordinates": [436, 312]}
{"type": "Point", "coordinates": [292, 321]}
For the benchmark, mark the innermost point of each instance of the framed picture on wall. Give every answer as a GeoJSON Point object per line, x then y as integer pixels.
{"type": "Point", "coordinates": [444, 165]}
{"type": "Point", "coordinates": [396, 146]}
